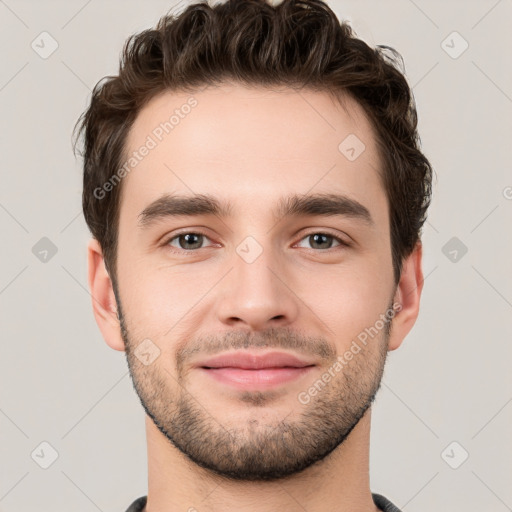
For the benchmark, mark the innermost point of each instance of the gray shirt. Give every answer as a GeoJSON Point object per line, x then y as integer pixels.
{"type": "Point", "coordinates": [383, 503]}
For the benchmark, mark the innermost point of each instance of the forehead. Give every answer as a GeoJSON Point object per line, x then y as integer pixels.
{"type": "Point", "coordinates": [250, 146]}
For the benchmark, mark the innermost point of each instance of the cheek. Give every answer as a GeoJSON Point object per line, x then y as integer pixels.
{"type": "Point", "coordinates": [348, 300]}
{"type": "Point", "coordinates": [159, 301]}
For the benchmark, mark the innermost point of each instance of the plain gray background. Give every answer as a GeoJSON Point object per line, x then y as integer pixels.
{"type": "Point", "coordinates": [448, 383]}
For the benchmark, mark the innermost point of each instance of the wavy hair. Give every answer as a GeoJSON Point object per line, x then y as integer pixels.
{"type": "Point", "coordinates": [294, 43]}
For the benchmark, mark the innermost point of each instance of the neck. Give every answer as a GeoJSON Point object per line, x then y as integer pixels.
{"type": "Point", "coordinates": [339, 483]}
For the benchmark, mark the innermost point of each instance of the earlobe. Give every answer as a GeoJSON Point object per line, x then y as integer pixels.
{"type": "Point", "coordinates": [103, 298]}
{"type": "Point", "coordinates": [408, 294]}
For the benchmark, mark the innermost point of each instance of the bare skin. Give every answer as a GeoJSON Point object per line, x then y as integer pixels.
{"type": "Point", "coordinates": [212, 446]}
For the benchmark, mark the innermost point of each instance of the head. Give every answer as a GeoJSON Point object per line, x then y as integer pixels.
{"type": "Point", "coordinates": [253, 181]}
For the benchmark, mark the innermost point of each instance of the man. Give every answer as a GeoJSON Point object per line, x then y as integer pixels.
{"type": "Point", "coordinates": [255, 190]}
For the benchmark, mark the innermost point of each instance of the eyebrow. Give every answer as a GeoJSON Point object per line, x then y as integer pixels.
{"type": "Point", "coordinates": [327, 205]}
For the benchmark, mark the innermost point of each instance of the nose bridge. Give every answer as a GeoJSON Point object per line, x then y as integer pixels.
{"type": "Point", "coordinates": [255, 293]}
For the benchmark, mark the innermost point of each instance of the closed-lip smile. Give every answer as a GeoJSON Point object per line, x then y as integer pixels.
{"type": "Point", "coordinates": [253, 361]}
{"type": "Point", "coordinates": [245, 370]}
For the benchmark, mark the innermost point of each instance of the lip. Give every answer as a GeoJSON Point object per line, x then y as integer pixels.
{"type": "Point", "coordinates": [251, 361]}
{"type": "Point", "coordinates": [247, 371]}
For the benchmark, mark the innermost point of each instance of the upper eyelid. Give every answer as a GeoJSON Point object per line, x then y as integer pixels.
{"type": "Point", "coordinates": [167, 239]}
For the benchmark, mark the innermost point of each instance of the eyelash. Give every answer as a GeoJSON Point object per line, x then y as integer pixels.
{"type": "Point", "coordinates": [177, 250]}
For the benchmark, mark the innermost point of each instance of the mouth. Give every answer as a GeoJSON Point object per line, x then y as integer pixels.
{"type": "Point", "coordinates": [243, 370]}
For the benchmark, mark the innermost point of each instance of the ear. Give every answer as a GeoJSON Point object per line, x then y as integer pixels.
{"type": "Point", "coordinates": [103, 298]}
{"type": "Point", "coordinates": [407, 294]}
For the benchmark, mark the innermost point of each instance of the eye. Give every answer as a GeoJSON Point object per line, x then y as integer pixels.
{"type": "Point", "coordinates": [190, 241]}
{"type": "Point", "coordinates": [187, 241]}
{"type": "Point", "coordinates": [323, 241]}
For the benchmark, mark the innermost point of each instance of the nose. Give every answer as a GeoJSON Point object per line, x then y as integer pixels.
{"type": "Point", "coordinates": [257, 295]}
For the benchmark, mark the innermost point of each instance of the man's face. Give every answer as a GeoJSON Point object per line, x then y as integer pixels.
{"type": "Point", "coordinates": [257, 280]}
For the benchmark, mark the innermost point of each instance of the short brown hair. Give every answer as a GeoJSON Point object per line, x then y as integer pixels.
{"type": "Point", "coordinates": [296, 43]}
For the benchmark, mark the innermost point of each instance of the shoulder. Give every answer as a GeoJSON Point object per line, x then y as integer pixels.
{"type": "Point", "coordinates": [384, 504]}
{"type": "Point", "coordinates": [138, 505]}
